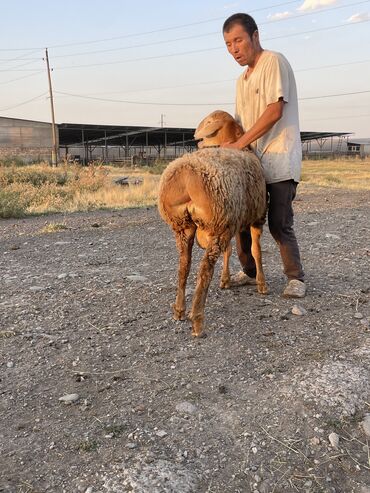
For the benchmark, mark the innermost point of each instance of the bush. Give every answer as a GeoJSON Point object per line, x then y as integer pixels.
{"type": "Point", "coordinates": [12, 204]}
{"type": "Point", "coordinates": [8, 162]}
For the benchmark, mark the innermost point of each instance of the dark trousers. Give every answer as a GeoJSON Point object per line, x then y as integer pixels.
{"type": "Point", "coordinates": [280, 221]}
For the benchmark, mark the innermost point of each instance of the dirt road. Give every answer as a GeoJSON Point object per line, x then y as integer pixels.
{"type": "Point", "coordinates": [85, 316]}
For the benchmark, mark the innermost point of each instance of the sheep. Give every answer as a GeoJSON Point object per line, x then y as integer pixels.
{"type": "Point", "coordinates": [212, 194]}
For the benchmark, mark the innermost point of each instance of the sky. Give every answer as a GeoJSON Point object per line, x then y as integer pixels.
{"type": "Point", "coordinates": [164, 62]}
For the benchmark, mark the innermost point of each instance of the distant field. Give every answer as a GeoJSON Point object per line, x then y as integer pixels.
{"type": "Point", "coordinates": [348, 174]}
{"type": "Point", "coordinates": [40, 189]}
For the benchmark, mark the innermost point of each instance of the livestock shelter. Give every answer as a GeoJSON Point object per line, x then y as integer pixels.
{"type": "Point", "coordinates": [123, 144]}
{"type": "Point", "coordinates": [31, 141]}
{"type": "Point", "coordinates": [359, 146]}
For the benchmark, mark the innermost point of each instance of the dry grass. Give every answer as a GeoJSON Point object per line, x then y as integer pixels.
{"type": "Point", "coordinates": [348, 174]}
{"type": "Point", "coordinates": [39, 189]}
{"type": "Point", "coordinates": [53, 228]}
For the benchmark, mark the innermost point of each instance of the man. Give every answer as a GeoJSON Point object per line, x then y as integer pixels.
{"type": "Point", "coordinates": [267, 108]}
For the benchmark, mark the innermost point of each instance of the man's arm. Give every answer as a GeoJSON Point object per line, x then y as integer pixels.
{"type": "Point", "coordinates": [265, 122]}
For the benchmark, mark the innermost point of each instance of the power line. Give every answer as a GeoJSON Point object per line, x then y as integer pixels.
{"type": "Point", "coordinates": [138, 102]}
{"type": "Point", "coordinates": [20, 78]}
{"type": "Point", "coordinates": [194, 104]}
{"type": "Point", "coordinates": [24, 102]}
{"type": "Point", "coordinates": [202, 50]}
{"type": "Point", "coordinates": [334, 117]}
{"type": "Point", "coordinates": [194, 36]}
{"type": "Point", "coordinates": [171, 28]}
{"type": "Point", "coordinates": [332, 66]}
{"type": "Point", "coordinates": [196, 84]}
{"type": "Point", "coordinates": [24, 64]}
{"type": "Point", "coordinates": [20, 69]}
{"type": "Point", "coordinates": [146, 32]}
{"type": "Point", "coordinates": [333, 95]}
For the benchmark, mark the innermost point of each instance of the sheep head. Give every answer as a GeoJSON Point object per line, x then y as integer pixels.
{"type": "Point", "coordinates": [217, 128]}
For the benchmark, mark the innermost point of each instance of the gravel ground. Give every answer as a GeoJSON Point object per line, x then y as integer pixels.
{"type": "Point", "coordinates": [85, 315]}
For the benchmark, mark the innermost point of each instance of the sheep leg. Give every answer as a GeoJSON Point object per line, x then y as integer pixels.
{"type": "Point", "coordinates": [225, 275]}
{"type": "Point", "coordinates": [204, 278]}
{"type": "Point", "coordinates": [184, 241]}
{"type": "Point", "coordinates": [256, 232]}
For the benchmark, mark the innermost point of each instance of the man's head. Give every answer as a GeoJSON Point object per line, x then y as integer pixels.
{"type": "Point", "coordinates": [242, 39]}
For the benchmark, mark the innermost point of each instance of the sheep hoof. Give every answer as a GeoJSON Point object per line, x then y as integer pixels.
{"type": "Point", "coordinates": [197, 327]}
{"type": "Point", "coordinates": [178, 314]}
{"type": "Point", "coordinates": [225, 284]}
{"type": "Point", "coordinates": [262, 289]}
{"type": "Point", "coordinates": [198, 335]}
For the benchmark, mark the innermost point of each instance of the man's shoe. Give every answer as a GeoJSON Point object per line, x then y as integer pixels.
{"type": "Point", "coordinates": [241, 279]}
{"type": "Point", "coordinates": [295, 289]}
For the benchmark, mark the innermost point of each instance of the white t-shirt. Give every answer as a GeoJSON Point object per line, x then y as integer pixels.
{"type": "Point", "coordinates": [280, 149]}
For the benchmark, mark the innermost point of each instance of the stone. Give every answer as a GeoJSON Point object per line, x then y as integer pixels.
{"type": "Point", "coordinates": [161, 433]}
{"type": "Point", "coordinates": [137, 278]}
{"type": "Point", "coordinates": [315, 441]}
{"type": "Point", "coordinates": [131, 445]}
{"type": "Point", "coordinates": [334, 440]}
{"type": "Point", "coordinates": [299, 310]}
{"type": "Point", "coordinates": [366, 425]}
{"type": "Point", "coordinates": [69, 398]}
{"type": "Point", "coordinates": [37, 288]}
{"type": "Point", "coordinates": [186, 407]}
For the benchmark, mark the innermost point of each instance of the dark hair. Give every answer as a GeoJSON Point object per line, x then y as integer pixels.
{"type": "Point", "coordinates": [246, 21]}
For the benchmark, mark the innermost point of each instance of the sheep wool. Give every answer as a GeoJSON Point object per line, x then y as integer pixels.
{"type": "Point", "coordinates": [232, 181]}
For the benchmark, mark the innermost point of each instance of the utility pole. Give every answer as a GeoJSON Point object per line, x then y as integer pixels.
{"type": "Point", "coordinates": [54, 152]}
{"type": "Point", "coordinates": [162, 120]}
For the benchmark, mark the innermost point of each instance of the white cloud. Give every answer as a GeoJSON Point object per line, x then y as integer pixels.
{"type": "Point", "coordinates": [359, 17]}
{"type": "Point", "coordinates": [279, 15]}
{"type": "Point", "coordinates": [315, 4]}
{"type": "Point", "coordinates": [229, 6]}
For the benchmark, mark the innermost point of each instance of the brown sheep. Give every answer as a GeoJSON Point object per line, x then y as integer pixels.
{"type": "Point", "coordinates": [212, 194]}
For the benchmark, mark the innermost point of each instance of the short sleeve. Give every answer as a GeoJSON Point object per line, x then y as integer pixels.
{"type": "Point", "coordinates": [277, 80]}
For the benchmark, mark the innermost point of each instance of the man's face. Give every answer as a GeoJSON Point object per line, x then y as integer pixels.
{"type": "Point", "coordinates": [241, 46]}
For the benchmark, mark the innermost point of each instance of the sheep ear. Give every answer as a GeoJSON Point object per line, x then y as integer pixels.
{"type": "Point", "coordinates": [207, 129]}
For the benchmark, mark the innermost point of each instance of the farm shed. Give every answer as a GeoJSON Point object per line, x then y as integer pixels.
{"type": "Point", "coordinates": [31, 141]}
{"type": "Point", "coordinates": [27, 140]}
{"type": "Point", "coordinates": [126, 144]}
{"type": "Point", "coordinates": [324, 144]}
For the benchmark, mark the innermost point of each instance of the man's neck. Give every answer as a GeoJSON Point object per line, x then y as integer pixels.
{"type": "Point", "coordinates": [256, 58]}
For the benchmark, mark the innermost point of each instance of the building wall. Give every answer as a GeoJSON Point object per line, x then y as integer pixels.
{"type": "Point", "coordinates": [25, 139]}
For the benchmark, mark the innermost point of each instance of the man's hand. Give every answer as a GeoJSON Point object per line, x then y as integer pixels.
{"type": "Point", "coordinates": [265, 122]}
{"type": "Point", "coordinates": [235, 145]}
{"type": "Point", "coordinates": [230, 145]}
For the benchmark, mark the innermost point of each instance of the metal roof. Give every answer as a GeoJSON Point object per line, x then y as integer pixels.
{"type": "Point", "coordinates": [359, 141]}
{"type": "Point", "coordinates": [75, 134]}
{"type": "Point", "coordinates": [321, 135]}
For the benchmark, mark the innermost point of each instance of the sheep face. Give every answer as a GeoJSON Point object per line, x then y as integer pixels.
{"type": "Point", "coordinates": [217, 128]}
